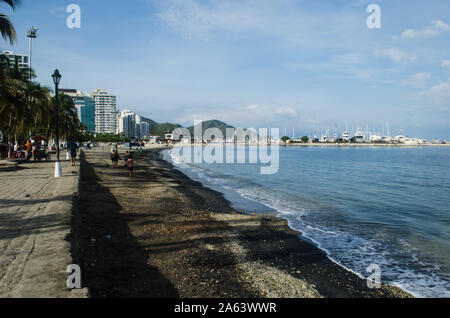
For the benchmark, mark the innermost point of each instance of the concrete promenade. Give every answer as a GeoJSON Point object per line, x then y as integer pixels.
{"type": "Point", "coordinates": [35, 227]}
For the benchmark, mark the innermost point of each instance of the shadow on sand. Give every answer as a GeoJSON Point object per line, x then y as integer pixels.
{"type": "Point", "coordinates": [113, 264]}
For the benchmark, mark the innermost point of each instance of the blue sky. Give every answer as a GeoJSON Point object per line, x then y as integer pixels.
{"type": "Point", "coordinates": [254, 63]}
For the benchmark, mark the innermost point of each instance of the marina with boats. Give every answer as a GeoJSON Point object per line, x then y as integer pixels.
{"type": "Point", "coordinates": [363, 137]}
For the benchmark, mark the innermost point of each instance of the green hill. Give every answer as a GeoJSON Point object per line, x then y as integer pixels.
{"type": "Point", "coordinates": [212, 124]}
{"type": "Point", "coordinates": [159, 129]}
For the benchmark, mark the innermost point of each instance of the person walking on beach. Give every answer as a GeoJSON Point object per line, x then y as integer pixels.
{"type": "Point", "coordinates": [115, 159]}
{"type": "Point", "coordinates": [130, 164]}
{"type": "Point", "coordinates": [112, 157]}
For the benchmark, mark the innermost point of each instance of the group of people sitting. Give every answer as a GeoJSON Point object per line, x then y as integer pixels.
{"type": "Point", "coordinates": [129, 161]}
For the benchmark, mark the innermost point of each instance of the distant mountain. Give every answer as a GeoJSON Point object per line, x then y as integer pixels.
{"type": "Point", "coordinates": [159, 129]}
{"type": "Point", "coordinates": [212, 124]}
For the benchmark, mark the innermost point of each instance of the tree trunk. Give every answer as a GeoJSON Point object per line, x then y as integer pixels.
{"type": "Point", "coordinates": [9, 134]}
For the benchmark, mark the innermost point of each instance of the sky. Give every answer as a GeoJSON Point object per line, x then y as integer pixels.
{"type": "Point", "coordinates": [302, 64]}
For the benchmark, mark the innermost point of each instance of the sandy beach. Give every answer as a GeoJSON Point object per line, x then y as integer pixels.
{"type": "Point", "coordinates": [164, 235]}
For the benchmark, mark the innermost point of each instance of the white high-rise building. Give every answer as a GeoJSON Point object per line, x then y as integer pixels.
{"type": "Point", "coordinates": [22, 59]}
{"type": "Point", "coordinates": [138, 126]}
{"type": "Point", "coordinates": [130, 124]}
{"type": "Point", "coordinates": [105, 111]}
{"type": "Point", "coordinates": [126, 123]}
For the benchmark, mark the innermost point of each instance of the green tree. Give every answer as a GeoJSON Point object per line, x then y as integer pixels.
{"type": "Point", "coordinates": [305, 139]}
{"type": "Point", "coordinates": [26, 108]}
{"type": "Point", "coordinates": [69, 124]}
{"type": "Point", "coordinates": [285, 138]}
{"type": "Point", "coordinates": [13, 100]}
{"type": "Point", "coordinates": [111, 138]}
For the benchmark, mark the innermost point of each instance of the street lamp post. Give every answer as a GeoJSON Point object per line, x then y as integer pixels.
{"type": "Point", "coordinates": [31, 34]}
{"type": "Point", "coordinates": [56, 79]}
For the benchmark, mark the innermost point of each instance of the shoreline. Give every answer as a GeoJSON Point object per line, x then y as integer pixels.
{"type": "Point", "coordinates": [277, 215]}
{"type": "Point", "coordinates": [171, 230]}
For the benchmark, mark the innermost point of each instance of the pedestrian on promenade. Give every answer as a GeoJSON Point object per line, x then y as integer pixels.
{"type": "Point", "coordinates": [36, 149]}
{"type": "Point", "coordinates": [130, 164]}
{"type": "Point", "coordinates": [72, 148]}
{"type": "Point", "coordinates": [29, 147]}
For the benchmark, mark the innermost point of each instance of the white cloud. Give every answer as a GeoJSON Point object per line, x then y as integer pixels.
{"type": "Point", "coordinates": [445, 63]}
{"type": "Point", "coordinates": [395, 55]}
{"type": "Point", "coordinates": [57, 11]}
{"type": "Point", "coordinates": [242, 115]}
{"type": "Point", "coordinates": [440, 25]}
{"type": "Point", "coordinates": [439, 93]}
{"type": "Point", "coordinates": [189, 19]}
{"type": "Point", "coordinates": [437, 27]}
{"type": "Point", "coordinates": [417, 80]}
{"type": "Point", "coordinates": [281, 20]}
{"type": "Point", "coordinates": [350, 58]}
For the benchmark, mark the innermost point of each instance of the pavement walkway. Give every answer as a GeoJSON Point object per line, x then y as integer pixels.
{"type": "Point", "coordinates": [35, 226]}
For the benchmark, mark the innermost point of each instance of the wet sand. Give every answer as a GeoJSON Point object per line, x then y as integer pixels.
{"type": "Point", "coordinates": [165, 235]}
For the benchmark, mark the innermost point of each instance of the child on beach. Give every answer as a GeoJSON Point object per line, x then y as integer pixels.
{"type": "Point", "coordinates": [130, 164]}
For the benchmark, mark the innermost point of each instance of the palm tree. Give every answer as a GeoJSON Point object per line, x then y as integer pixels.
{"type": "Point", "coordinates": [6, 28]}
{"type": "Point", "coordinates": [39, 117]}
{"type": "Point", "coordinates": [12, 110]}
{"type": "Point", "coordinates": [17, 114]}
{"type": "Point", "coordinates": [68, 118]}
{"type": "Point", "coordinates": [13, 94]}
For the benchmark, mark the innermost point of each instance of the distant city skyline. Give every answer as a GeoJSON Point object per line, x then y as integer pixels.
{"type": "Point", "coordinates": [305, 65]}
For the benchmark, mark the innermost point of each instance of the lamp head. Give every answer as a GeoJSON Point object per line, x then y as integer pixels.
{"type": "Point", "coordinates": [56, 77]}
{"type": "Point", "coordinates": [32, 33]}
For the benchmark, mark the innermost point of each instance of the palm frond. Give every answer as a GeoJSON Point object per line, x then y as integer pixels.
{"type": "Point", "coordinates": [7, 29]}
{"type": "Point", "coordinates": [12, 3]}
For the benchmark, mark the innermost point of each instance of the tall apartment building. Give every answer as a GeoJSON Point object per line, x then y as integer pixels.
{"type": "Point", "coordinates": [22, 59]}
{"type": "Point", "coordinates": [85, 106]}
{"type": "Point", "coordinates": [105, 111]}
{"type": "Point", "coordinates": [138, 126]}
{"type": "Point", "coordinates": [145, 130]}
{"type": "Point", "coordinates": [126, 123]}
{"type": "Point", "coordinates": [131, 125]}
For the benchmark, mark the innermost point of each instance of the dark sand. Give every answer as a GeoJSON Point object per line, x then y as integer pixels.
{"type": "Point", "coordinates": [164, 235]}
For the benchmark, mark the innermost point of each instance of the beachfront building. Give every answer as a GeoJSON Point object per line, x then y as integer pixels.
{"type": "Point", "coordinates": [85, 106]}
{"type": "Point", "coordinates": [22, 59]}
{"type": "Point", "coordinates": [145, 131]}
{"type": "Point", "coordinates": [126, 123]}
{"type": "Point", "coordinates": [138, 126]}
{"type": "Point", "coordinates": [105, 111]}
{"type": "Point", "coordinates": [131, 125]}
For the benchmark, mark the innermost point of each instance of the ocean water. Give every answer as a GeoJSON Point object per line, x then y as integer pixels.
{"type": "Point", "coordinates": [362, 206]}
